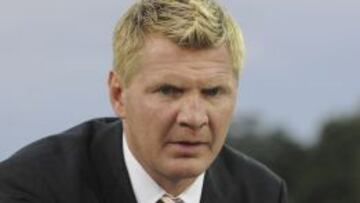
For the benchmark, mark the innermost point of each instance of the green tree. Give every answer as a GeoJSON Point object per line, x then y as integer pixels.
{"type": "Point", "coordinates": [327, 172]}
{"type": "Point", "coordinates": [333, 168]}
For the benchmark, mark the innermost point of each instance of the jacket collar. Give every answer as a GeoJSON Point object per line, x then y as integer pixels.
{"type": "Point", "coordinates": [107, 156]}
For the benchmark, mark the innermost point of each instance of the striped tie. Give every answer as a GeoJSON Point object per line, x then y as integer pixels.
{"type": "Point", "coordinates": [168, 199]}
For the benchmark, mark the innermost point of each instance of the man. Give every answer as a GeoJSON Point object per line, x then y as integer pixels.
{"type": "Point", "coordinates": [173, 86]}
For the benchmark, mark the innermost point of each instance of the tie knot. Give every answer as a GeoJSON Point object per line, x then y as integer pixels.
{"type": "Point", "coordinates": [169, 199]}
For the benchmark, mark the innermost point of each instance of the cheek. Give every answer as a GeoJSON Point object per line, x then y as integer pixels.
{"type": "Point", "coordinates": [139, 108]}
{"type": "Point", "coordinates": [151, 118]}
{"type": "Point", "coordinates": [157, 113]}
{"type": "Point", "coordinates": [221, 118]}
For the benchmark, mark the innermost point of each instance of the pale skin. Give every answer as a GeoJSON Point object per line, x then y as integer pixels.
{"type": "Point", "coordinates": [176, 110]}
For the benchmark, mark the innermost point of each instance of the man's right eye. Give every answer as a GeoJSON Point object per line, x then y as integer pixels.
{"type": "Point", "coordinates": [170, 90]}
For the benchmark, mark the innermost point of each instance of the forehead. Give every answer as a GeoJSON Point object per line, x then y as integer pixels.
{"type": "Point", "coordinates": [163, 57]}
{"type": "Point", "coordinates": [158, 49]}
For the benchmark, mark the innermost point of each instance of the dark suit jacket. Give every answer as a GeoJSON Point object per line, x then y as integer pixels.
{"type": "Point", "coordinates": [86, 165]}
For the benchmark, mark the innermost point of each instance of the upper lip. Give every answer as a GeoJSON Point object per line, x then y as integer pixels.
{"type": "Point", "coordinates": [188, 142]}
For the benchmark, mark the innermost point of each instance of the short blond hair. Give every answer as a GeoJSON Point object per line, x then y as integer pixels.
{"type": "Point", "coordinates": [192, 24]}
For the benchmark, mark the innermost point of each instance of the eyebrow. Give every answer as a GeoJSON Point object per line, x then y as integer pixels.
{"type": "Point", "coordinates": [226, 86]}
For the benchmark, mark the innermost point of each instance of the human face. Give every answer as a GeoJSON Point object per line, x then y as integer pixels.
{"type": "Point", "coordinates": [177, 108]}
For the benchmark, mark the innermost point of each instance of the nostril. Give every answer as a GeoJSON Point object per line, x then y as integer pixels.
{"type": "Point", "coordinates": [184, 124]}
{"type": "Point", "coordinates": [192, 125]}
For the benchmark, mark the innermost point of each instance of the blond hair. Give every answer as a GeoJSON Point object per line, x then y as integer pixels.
{"type": "Point", "coordinates": [193, 24]}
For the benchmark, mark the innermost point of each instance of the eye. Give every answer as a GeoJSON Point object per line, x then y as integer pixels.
{"type": "Point", "coordinates": [212, 91]}
{"type": "Point", "coordinates": [170, 90]}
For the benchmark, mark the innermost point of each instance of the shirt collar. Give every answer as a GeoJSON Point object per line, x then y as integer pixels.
{"type": "Point", "coordinates": [147, 190]}
{"type": "Point", "coordinates": [193, 193]}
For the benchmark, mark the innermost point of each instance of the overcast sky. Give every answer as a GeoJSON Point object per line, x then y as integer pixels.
{"type": "Point", "coordinates": [302, 63]}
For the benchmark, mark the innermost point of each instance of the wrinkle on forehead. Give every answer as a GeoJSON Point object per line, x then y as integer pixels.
{"type": "Point", "coordinates": [188, 74]}
{"type": "Point", "coordinates": [167, 51]}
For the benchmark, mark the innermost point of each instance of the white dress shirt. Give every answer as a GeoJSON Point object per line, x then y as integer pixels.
{"type": "Point", "coordinates": [147, 190]}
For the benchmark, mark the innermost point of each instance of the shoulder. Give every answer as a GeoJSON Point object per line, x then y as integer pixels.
{"type": "Point", "coordinates": [54, 162]}
{"type": "Point", "coordinates": [64, 146]}
{"type": "Point", "coordinates": [242, 177]}
{"type": "Point", "coordinates": [240, 164]}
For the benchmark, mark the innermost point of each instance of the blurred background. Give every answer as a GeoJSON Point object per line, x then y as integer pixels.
{"type": "Point", "coordinates": [299, 98]}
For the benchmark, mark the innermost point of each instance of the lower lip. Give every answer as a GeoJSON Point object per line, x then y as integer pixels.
{"type": "Point", "coordinates": [187, 149]}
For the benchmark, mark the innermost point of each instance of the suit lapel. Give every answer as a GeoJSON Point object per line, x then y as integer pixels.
{"type": "Point", "coordinates": [219, 185]}
{"type": "Point", "coordinates": [210, 192]}
{"type": "Point", "coordinates": [107, 156]}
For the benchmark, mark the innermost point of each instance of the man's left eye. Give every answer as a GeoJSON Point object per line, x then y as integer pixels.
{"type": "Point", "coordinates": [211, 91]}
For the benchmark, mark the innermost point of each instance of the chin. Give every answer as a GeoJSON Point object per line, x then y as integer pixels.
{"type": "Point", "coordinates": [184, 169]}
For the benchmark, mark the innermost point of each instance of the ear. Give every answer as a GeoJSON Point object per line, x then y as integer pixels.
{"type": "Point", "coordinates": [117, 94]}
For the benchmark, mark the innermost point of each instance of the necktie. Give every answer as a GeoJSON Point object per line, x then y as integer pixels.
{"type": "Point", "coordinates": [168, 199]}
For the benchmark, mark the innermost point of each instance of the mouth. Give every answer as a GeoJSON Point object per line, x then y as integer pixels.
{"type": "Point", "coordinates": [187, 149]}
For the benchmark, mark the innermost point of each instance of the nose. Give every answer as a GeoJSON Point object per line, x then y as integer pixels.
{"type": "Point", "coordinates": [193, 113]}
